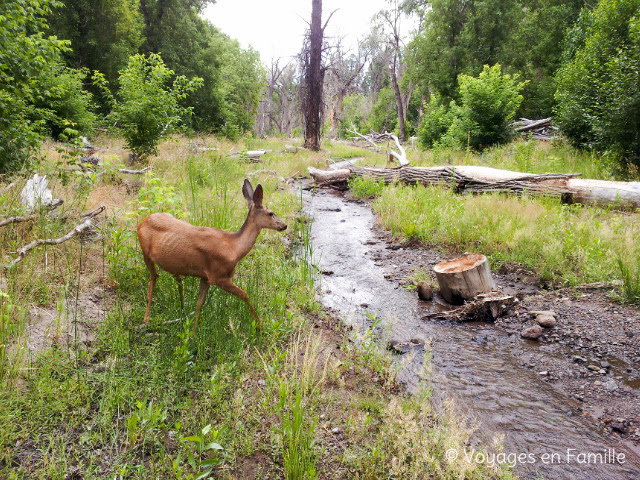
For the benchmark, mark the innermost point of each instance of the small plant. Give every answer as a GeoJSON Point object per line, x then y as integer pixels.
{"type": "Point", "coordinates": [205, 443]}
{"type": "Point", "coordinates": [298, 433]}
{"type": "Point", "coordinates": [630, 281]}
{"type": "Point", "coordinates": [365, 187]}
{"type": "Point", "coordinates": [146, 420]}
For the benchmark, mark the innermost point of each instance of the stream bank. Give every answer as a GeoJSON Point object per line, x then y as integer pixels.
{"type": "Point", "coordinates": [539, 395]}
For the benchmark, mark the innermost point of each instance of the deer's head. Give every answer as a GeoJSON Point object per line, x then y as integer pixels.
{"type": "Point", "coordinates": [261, 215]}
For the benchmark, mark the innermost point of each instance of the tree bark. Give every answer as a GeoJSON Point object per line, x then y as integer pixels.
{"type": "Point", "coordinates": [314, 78]}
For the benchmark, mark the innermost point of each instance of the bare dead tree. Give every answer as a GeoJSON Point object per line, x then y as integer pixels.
{"type": "Point", "coordinates": [313, 73]}
{"type": "Point", "coordinates": [391, 19]}
{"type": "Point", "coordinates": [342, 75]}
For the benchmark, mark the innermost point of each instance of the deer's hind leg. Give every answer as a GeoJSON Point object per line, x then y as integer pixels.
{"type": "Point", "coordinates": [152, 283]}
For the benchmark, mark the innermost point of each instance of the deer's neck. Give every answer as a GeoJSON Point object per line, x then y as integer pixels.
{"type": "Point", "coordinates": [246, 237]}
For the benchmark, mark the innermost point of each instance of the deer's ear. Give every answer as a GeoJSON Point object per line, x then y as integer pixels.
{"type": "Point", "coordinates": [247, 190]}
{"type": "Point", "coordinates": [257, 196]}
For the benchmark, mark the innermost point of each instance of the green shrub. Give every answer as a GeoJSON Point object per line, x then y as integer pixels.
{"type": "Point", "coordinates": [435, 122]}
{"type": "Point", "coordinates": [69, 107]}
{"type": "Point", "coordinates": [598, 96]}
{"type": "Point", "coordinates": [488, 104]}
{"type": "Point", "coordinates": [148, 105]}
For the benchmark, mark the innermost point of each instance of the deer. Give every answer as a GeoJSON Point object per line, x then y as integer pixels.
{"type": "Point", "coordinates": [182, 249]}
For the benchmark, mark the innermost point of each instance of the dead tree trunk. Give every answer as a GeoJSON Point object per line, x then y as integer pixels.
{"type": "Point", "coordinates": [314, 79]}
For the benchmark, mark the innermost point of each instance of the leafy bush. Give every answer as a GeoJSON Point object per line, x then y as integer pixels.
{"type": "Point", "coordinates": [598, 95]}
{"type": "Point", "coordinates": [148, 105]}
{"type": "Point", "coordinates": [25, 54]}
{"type": "Point", "coordinates": [435, 122]}
{"type": "Point", "coordinates": [488, 104]}
{"type": "Point", "coordinates": [69, 108]}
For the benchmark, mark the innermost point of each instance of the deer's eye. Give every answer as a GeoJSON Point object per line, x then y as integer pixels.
{"type": "Point", "coordinates": [271, 214]}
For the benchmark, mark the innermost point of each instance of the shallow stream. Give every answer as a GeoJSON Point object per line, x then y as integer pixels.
{"type": "Point", "coordinates": [475, 365]}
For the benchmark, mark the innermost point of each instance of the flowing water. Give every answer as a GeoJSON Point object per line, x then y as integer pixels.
{"type": "Point", "coordinates": [474, 365]}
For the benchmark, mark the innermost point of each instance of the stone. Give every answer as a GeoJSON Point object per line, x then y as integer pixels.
{"type": "Point", "coordinates": [533, 333]}
{"type": "Point", "coordinates": [593, 367]}
{"type": "Point", "coordinates": [597, 383]}
{"type": "Point", "coordinates": [544, 373]}
{"type": "Point", "coordinates": [546, 321]}
{"type": "Point", "coordinates": [336, 431]}
{"type": "Point", "coordinates": [611, 385]}
{"type": "Point", "coordinates": [425, 291]}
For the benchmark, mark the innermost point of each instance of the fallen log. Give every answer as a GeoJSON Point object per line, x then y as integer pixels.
{"type": "Point", "coordinates": [484, 307]}
{"type": "Point", "coordinates": [477, 179]}
{"type": "Point", "coordinates": [534, 124]}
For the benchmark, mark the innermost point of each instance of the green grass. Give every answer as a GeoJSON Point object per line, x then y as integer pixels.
{"type": "Point", "coordinates": [159, 402]}
{"type": "Point", "coordinates": [562, 244]}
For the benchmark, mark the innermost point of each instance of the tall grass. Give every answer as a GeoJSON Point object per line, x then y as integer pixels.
{"type": "Point", "coordinates": [561, 243]}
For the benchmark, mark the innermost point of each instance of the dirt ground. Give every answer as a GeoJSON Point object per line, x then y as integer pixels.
{"type": "Point", "coordinates": [592, 330]}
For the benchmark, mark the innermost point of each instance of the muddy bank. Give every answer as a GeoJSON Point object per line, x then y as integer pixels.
{"type": "Point", "coordinates": [537, 394]}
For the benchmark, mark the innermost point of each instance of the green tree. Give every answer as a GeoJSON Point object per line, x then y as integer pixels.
{"type": "Point", "coordinates": [25, 55]}
{"type": "Point", "coordinates": [148, 105]}
{"type": "Point", "coordinates": [599, 88]}
{"type": "Point", "coordinates": [103, 33]}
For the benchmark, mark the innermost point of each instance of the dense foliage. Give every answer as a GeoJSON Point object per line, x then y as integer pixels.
{"type": "Point", "coordinates": [27, 57]}
{"type": "Point", "coordinates": [599, 88]}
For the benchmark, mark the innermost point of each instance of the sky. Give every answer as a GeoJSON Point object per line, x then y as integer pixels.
{"type": "Point", "coordinates": [275, 28]}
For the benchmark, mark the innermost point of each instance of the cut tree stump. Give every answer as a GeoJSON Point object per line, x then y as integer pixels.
{"type": "Point", "coordinates": [464, 277]}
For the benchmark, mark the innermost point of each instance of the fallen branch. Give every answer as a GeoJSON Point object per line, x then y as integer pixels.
{"type": "Point", "coordinates": [8, 187]}
{"type": "Point", "coordinates": [484, 307]}
{"type": "Point", "coordinates": [402, 157]}
{"type": "Point", "coordinates": [93, 213]}
{"type": "Point", "coordinates": [533, 124]}
{"type": "Point", "coordinates": [134, 172]}
{"type": "Point", "coordinates": [50, 207]}
{"type": "Point", "coordinates": [22, 251]}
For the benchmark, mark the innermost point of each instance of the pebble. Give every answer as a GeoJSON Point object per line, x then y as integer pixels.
{"type": "Point", "coordinates": [544, 373]}
{"type": "Point", "coordinates": [546, 321]}
{"type": "Point", "coordinates": [611, 385]}
{"type": "Point", "coordinates": [336, 430]}
{"type": "Point", "coordinates": [593, 367]}
{"type": "Point", "coordinates": [532, 333]}
{"type": "Point", "coordinates": [597, 383]}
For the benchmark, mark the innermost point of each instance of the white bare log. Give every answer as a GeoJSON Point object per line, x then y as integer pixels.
{"type": "Point", "coordinates": [475, 179]}
{"type": "Point", "coordinates": [134, 172]}
{"type": "Point", "coordinates": [290, 149]}
{"type": "Point", "coordinates": [325, 176]}
{"type": "Point", "coordinates": [23, 251]}
{"type": "Point", "coordinates": [464, 277]}
{"type": "Point", "coordinates": [534, 124]}
{"type": "Point", "coordinates": [365, 138]}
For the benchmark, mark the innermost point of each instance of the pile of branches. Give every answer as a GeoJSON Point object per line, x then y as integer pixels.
{"type": "Point", "coordinates": [538, 129]}
{"type": "Point", "coordinates": [373, 138]}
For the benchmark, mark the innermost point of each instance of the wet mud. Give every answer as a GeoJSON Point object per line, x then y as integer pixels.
{"type": "Point", "coordinates": [563, 420]}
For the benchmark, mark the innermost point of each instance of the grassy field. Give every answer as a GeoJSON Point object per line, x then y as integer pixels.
{"type": "Point", "coordinates": [87, 393]}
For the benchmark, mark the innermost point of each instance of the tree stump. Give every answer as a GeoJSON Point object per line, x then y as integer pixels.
{"type": "Point", "coordinates": [464, 277]}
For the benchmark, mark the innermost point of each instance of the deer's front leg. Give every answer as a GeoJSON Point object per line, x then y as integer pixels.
{"type": "Point", "coordinates": [228, 286]}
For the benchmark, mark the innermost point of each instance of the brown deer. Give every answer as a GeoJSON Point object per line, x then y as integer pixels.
{"type": "Point", "coordinates": [211, 254]}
